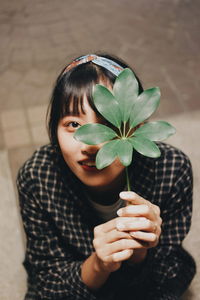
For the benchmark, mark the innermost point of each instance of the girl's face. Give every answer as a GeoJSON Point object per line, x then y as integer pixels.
{"type": "Point", "coordinates": [81, 157]}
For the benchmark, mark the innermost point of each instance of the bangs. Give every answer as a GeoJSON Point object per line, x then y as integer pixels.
{"type": "Point", "coordinates": [78, 86]}
{"type": "Point", "coordinates": [72, 103]}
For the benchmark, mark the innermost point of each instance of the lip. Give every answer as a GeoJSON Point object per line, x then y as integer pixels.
{"type": "Point", "coordinates": [83, 164]}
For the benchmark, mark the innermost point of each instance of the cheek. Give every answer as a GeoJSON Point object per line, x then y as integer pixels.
{"type": "Point", "coordinates": [61, 139]}
{"type": "Point", "coordinates": [116, 168]}
{"type": "Point", "coordinates": [68, 144]}
{"type": "Point", "coordinates": [118, 165]}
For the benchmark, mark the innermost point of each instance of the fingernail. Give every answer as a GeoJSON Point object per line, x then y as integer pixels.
{"type": "Point", "coordinates": [119, 212]}
{"type": "Point", "coordinates": [125, 195]}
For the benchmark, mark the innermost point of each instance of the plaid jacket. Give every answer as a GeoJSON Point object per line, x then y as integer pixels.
{"type": "Point", "coordinates": [59, 222]}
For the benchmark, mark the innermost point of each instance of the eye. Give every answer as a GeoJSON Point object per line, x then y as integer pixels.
{"type": "Point", "coordinates": [72, 126]}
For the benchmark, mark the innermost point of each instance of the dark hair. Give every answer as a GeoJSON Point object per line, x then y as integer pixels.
{"type": "Point", "coordinates": [70, 88]}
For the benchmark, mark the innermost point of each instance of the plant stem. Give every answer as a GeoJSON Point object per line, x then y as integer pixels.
{"type": "Point", "coordinates": [127, 180]}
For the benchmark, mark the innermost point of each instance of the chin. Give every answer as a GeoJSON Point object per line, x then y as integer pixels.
{"type": "Point", "coordinates": [96, 184]}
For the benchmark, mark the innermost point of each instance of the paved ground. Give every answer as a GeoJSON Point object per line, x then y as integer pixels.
{"type": "Point", "coordinates": [160, 39]}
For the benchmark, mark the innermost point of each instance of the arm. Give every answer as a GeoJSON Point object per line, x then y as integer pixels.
{"type": "Point", "coordinates": [92, 272]}
{"type": "Point", "coordinates": [173, 268]}
{"type": "Point", "coordinates": [170, 269]}
{"type": "Point", "coordinates": [55, 269]}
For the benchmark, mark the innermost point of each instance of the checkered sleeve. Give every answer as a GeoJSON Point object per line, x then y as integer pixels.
{"type": "Point", "coordinates": [56, 273]}
{"type": "Point", "coordinates": [172, 267]}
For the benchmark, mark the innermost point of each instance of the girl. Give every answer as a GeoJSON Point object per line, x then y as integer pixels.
{"type": "Point", "coordinates": [82, 241]}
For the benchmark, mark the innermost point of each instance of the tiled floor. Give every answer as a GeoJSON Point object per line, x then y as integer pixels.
{"type": "Point", "coordinates": [160, 39]}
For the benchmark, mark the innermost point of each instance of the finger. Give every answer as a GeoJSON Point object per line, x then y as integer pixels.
{"type": "Point", "coordinates": [119, 256]}
{"type": "Point", "coordinates": [156, 208]}
{"type": "Point", "coordinates": [106, 253]}
{"type": "Point", "coordinates": [144, 236]}
{"type": "Point", "coordinates": [136, 224]}
{"type": "Point", "coordinates": [105, 227]}
{"type": "Point", "coordinates": [121, 245]}
{"type": "Point", "coordinates": [101, 229]}
{"type": "Point", "coordinates": [110, 237]}
{"type": "Point", "coordinates": [136, 211]}
{"type": "Point", "coordinates": [133, 198]}
{"type": "Point", "coordinates": [115, 235]}
{"type": "Point", "coordinates": [122, 255]}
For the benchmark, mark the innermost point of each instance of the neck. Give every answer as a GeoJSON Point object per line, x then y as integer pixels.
{"type": "Point", "coordinates": [108, 195]}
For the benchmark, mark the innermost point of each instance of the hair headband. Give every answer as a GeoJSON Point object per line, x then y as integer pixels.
{"type": "Point", "coordinates": [107, 63]}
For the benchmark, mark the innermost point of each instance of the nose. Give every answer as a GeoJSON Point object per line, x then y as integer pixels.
{"type": "Point", "coordinates": [90, 149]}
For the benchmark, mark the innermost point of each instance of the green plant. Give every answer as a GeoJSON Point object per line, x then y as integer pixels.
{"type": "Point", "coordinates": [126, 111]}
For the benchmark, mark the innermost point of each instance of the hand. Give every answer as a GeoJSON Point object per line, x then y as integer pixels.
{"type": "Point", "coordinates": [112, 246]}
{"type": "Point", "coordinates": [141, 219]}
{"type": "Point", "coordinates": [137, 228]}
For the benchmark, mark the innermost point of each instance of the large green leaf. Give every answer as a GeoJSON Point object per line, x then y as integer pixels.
{"type": "Point", "coordinates": [107, 154]}
{"type": "Point", "coordinates": [107, 105]}
{"type": "Point", "coordinates": [146, 104]}
{"type": "Point", "coordinates": [93, 134]}
{"type": "Point", "coordinates": [155, 131]}
{"type": "Point", "coordinates": [125, 152]}
{"type": "Point", "coordinates": [125, 90]}
{"type": "Point", "coordinates": [145, 146]}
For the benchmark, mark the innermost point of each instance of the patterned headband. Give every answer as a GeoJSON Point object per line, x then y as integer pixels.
{"type": "Point", "coordinates": [108, 64]}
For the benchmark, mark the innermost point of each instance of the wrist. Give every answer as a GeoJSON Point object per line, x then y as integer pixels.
{"type": "Point", "coordinates": [92, 272]}
{"type": "Point", "coordinates": [99, 266]}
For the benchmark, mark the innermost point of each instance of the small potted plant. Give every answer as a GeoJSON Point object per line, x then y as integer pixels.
{"type": "Point", "coordinates": [127, 112]}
